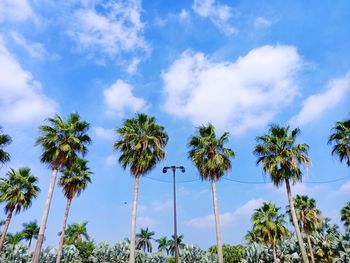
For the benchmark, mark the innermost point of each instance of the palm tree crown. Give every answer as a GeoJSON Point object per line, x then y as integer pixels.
{"type": "Point", "coordinates": [76, 232]}
{"type": "Point", "coordinates": [75, 178]}
{"type": "Point", "coordinates": [341, 140]}
{"type": "Point", "coordinates": [4, 141]}
{"type": "Point", "coordinates": [18, 190]}
{"type": "Point", "coordinates": [345, 215]}
{"type": "Point", "coordinates": [208, 153]}
{"type": "Point", "coordinates": [280, 156]}
{"type": "Point", "coordinates": [141, 143]}
{"type": "Point", "coordinates": [163, 244]}
{"type": "Point", "coordinates": [61, 141]}
{"type": "Point", "coordinates": [144, 240]}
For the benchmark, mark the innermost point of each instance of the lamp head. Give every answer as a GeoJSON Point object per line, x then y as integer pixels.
{"type": "Point", "coordinates": [165, 170]}
{"type": "Point", "coordinates": [182, 169]}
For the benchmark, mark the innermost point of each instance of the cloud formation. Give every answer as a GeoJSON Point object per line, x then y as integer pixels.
{"type": "Point", "coordinates": [15, 10]}
{"type": "Point", "coordinates": [239, 95]}
{"type": "Point", "coordinates": [21, 100]}
{"type": "Point", "coordinates": [312, 108]}
{"type": "Point", "coordinates": [218, 14]}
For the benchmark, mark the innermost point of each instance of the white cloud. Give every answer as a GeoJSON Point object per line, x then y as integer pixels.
{"type": "Point", "coordinates": [22, 100]}
{"type": "Point", "coordinates": [146, 221]}
{"type": "Point", "coordinates": [132, 68]}
{"type": "Point", "coordinates": [241, 213]}
{"type": "Point", "coordinates": [345, 187]}
{"type": "Point", "coordinates": [162, 205]}
{"type": "Point", "coordinates": [110, 29]}
{"type": "Point", "coordinates": [111, 160]}
{"type": "Point", "coordinates": [183, 16]}
{"type": "Point", "coordinates": [217, 13]}
{"type": "Point", "coordinates": [15, 10]}
{"type": "Point", "coordinates": [315, 105]}
{"type": "Point", "coordinates": [118, 97]}
{"type": "Point", "coordinates": [239, 95]}
{"type": "Point", "coordinates": [103, 133]}
{"type": "Point", "coordinates": [262, 22]}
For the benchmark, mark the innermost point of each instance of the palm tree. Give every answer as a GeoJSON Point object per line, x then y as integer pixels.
{"type": "Point", "coordinates": [75, 233]}
{"type": "Point", "coordinates": [345, 215]}
{"type": "Point", "coordinates": [341, 140]}
{"type": "Point", "coordinates": [269, 226]}
{"type": "Point", "coordinates": [17, 191]}
{"type": "Point", "coordinates": [4, 141]}
{"type": "Point", "coordinates": [14, 239]}
{"type": "Point", "coordinates": [171, 244]}
{"type": "Point", "coordinates": [212, 160]}
{"type": "Point", "coordinates": [74, 181]}
{"type": "Point", "coordinates": [281, 158]}
{"type": "Point", "coordinates": [141, 143]}
{"type": "Point", "coordinates": [30, 231]}
{"type": "Point", "coordinates": [308, 217]}
{"type": "Point", "coordinates": [144, 239]}
{"type": "Point", "coordinates": [163, 244]}
{"type": "Point", "coordinates": [61, 142]}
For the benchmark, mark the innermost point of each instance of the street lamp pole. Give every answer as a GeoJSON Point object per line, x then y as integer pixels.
{"type": "Point", "coordinates": [182, 169]}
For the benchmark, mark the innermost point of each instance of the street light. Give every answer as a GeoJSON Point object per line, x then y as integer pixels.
{"type": "Point", "coordinates": [182, 169]}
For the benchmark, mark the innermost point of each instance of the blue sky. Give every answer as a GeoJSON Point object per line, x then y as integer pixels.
{"type": "Point", "coordinates": [238, 64]}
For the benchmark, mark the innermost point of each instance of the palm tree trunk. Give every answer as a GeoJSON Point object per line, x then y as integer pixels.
{"type": "Point", "coordinates": [30, 243]}
{"type": "Point", "coordinates": [295, 223]}
{"type": "Point", "coordinates": [217, 222]}
{"type": "Point", "coordinates": [133, 221]}
{"type": "Point", "coordinates": [40, 239]}
{"type": "Point", "coordinates": [60, 245]}
{"type": "Point", "coordinates": [6, 227]}
{"type": "Point", "coordinates": [274, 253]}
{"type": "Point", "coordinates": [310, 248]}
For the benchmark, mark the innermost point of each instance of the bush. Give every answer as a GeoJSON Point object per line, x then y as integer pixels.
{"type": "Point", "coordinates": [232, 254]}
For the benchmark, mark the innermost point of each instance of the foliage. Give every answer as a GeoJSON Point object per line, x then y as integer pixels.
{"type": "Point", "coordinates": [75, 233]}
{"type": "Point", "coordinates": [85, 249]}
{"type": "Point", "coordinates": [18, 253]}
{"type": "Point", "coordinates": [340, 138]}
{"type": "Point", "coordinates": [144, 239]}
{"type": "Point", "coordinates": [232, 254]}
{"type": "Point", "coordinates": [345, 215]}
{"type": "Point", "coordinates": [69, 255]}
{"type": "Point", "coordinates": [30, 231]}
{"type": "Point", "coordinates": [5, 140]}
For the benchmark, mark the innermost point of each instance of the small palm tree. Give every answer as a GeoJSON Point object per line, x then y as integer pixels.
{"type": "Point", "coordinates": [163, 245]}
{"type": "Point", "coordinates": [76, 232]}
{"type": "Point", "coordinates": [4, 141]}
{"type": "Point", "coordinates": [14, 239]}
{"type": "Point", "coordinates": [308, 217]}
{"type": "Point", "coordinates": [171, 244]}
{"type": "Point", "coordinates": [141, 143]}
{"type": "Point", "coordinates": [345, 215]}
{"type": "Point", "coordinates": [269, 225]}
{"type": "Point", "coordinates": [61, 142]}
{"type": "Point", "coordinates": [144, 240]}
{"type": "Point", "coordinates": [74, 181]}
{"type": "Point", "coordinates": [212, 160]}
{"type": "Point", "coordinates": [281, 158]}
{"type": "Point", "coordinates": [341, 140]}
{"type": "Point", "coordinates": [30, 231]}
{"type": "Point", "coordinates": [17, 191]}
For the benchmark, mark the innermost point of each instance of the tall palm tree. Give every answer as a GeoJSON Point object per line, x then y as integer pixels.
{"type": "Point", "coordinates": [308, 217]}
{"type": "Point", "coordinates": [163, 244]}
{"type": "Point", "coordinates": [345, 215]}
{"type": "Point", "coordinates": [74, 181]}
{"type": "Point", "coordinates": [141, 143]}
{"type": "Point", "coordinates": [30, 231]}
{"type": "Point", "coordinates": [171, 244]}
{"type": "Point", "coordinates": [17, 191]}
{"type": "Point", "coordinates": [144, 240]}
{"type": "Point", "coordinates": [341, 140]}
{"type": "Point", "coordinates": [269, 225]}
{"type": "Point", "coordinates": [282, 158]}
{"type": "Point", "coordinates": [76, 232]}
{"type": "Point", "coordinates": [61, 142]}
{"type": "Point", "coordinates": [4, 141]}
{"type": "Point", "coordinates": [212, 159]}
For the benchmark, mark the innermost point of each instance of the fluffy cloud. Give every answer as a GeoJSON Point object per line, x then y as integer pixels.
{"type": "Point", "coordinates": [237, 95]}
{"type": "Point", "coordinates": [112, 28]}
{"type": "Point", "coordinates": [15, 10]}
{"type": "Point", "coordinates": [217, 13]}
{"type": "Point", "coordinates": [240, 213]}
{"type": "Point", "coordinates": [345, 188]}
{"type": "Point", "coordinates": [316, 104]}
{"type": "Point", "coordinates": [21, 99]}
{"type": "Point", "coordinates": [262, 22]}
{"type": "Point", "coordinates": [146, 221]}
{"type": "Point", "coordinates": [103, 133]}
{"type": "Point", "coordinates": [119, 97]}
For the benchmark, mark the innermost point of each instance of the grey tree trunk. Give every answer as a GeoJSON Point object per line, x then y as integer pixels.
{"type": "Point", "coordinates": [60, 245]}
{"type": "Point", "coordinates": [133, 221]}
{"type": "Point", "coordinates": [217, 222]}
{"type": "Point", "coordinates": [6, 227]}
{"type": "Point", "coordinates": [40, 239]}
{"type": "Point", "coordinates": [295, 223]}
{"type": "Point", "coordinates": [310, 248]}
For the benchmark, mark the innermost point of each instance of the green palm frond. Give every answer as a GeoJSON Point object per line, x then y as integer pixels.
{"type": "Point", "coordinates": [340, 138]}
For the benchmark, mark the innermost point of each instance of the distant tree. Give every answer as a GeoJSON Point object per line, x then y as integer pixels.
{"type": "Point", "coordinates": [345, 215]}
{"type": "Point", "coordinates": [14, 239]}
{"type": "Point", "coordinates": [76, 232]}
{"type": "Point", "coordinates": [144, 240]}
{"type": "Point", "coordinates": [340, 138]}
{"type": "Point", "coordinates": [171, 244]}
{"type": "Point", "coordinates": [163, 244]}
{"type": "Point", "coordinates": [4, 141]}
{"type": "Point", "coordinates": [30, 231]}
{"type": "Point", "coordinates": [232, 254]}
{"type": "Point", "coordinates": [17, 191]}
{"type": "Point", "coordinates": [86, 249]}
